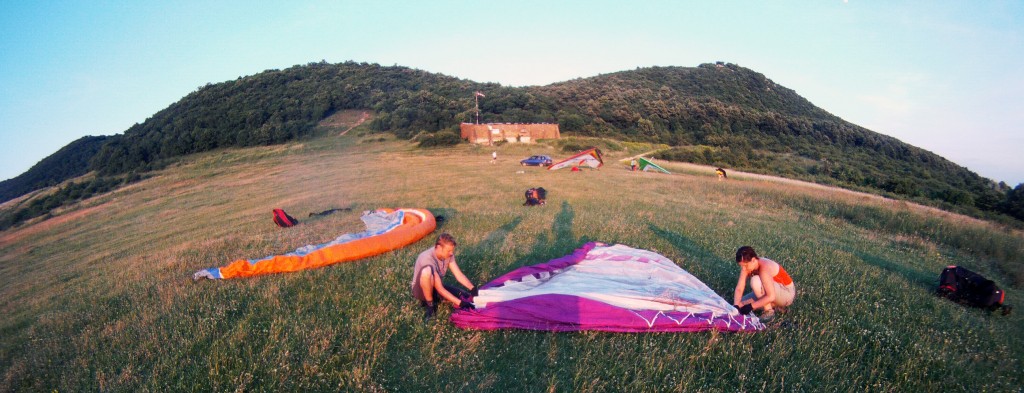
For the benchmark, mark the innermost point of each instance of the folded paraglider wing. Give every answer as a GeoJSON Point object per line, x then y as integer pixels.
{"type": "Point", "coordinates": [386, 230]}
{"type": "Point", "coordinates": [607, 288]}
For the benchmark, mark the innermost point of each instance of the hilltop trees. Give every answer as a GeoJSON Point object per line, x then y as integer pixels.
{"type": "Point", "coordinates": [1014, 204]}
{"type": "Point", "coordinates": [278, 106]}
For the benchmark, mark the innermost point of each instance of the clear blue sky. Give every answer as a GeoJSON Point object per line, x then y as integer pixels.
{"type": "Point", "coordinates": [946, 76]}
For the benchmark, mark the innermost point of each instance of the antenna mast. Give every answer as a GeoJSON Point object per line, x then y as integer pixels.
{"type": "Point", "coordinates": [476, 99]}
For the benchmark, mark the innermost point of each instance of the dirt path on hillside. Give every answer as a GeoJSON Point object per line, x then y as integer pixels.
{"type": "Point", "coordinates": [644, 154]}
{"type": "Point", "coordinates": [346, 119]}
{"type": "Point", "coordinates": [362, 118]}
{"type": "Point", "coordinates": [733, 174]}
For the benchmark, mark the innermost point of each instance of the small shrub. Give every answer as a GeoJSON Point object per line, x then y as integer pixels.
{"type": "Point", "coordinates": [440, 139]}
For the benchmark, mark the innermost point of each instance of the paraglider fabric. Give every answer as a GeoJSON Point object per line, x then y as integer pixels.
{"type": "Point", "coordinates": [605, 288]}
{"type": "Point", "coordinates": [386, 230]}
{"type": "Point", "coordinates": [646, 166]}
{"type": "Point", "coordinates": [591, 158]}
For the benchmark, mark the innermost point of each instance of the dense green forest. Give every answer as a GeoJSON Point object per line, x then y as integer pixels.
{"type": "Point", "coordinates": [718, 114]}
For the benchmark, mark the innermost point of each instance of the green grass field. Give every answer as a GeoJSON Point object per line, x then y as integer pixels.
{"type": "Point", "coordinates": [100, 296]}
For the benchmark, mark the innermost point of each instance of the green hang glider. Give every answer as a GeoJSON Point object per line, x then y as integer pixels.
{"type": "Point", "coordinates": [647, 165]}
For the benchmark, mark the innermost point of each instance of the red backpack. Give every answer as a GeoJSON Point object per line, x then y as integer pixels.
{"type": "Point", "coordinates": [283, 220]}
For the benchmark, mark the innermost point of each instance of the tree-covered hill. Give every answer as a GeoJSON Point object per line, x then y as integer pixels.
{"type": "Point", "coordinates": [719, 114]}
{"type": "Point", "coordinates": [282, 105]}
{"type": "Point", "coordinates": [68, 162]}
{"type": "Point", "coordinates": [731, 116]}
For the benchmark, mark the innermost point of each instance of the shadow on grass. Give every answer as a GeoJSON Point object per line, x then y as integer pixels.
{"type": "Point", "coordinates": [497, 237]}
{"type": "Point", "coordinates": [720, 276]}
{"type": "Point", "coordinates": [442, 215]}
{"type": "Point", "coordinates": [492, 241]}
{"type": "Point", "coordinates": [560, 241]}
{"type": "Point", "coordinates": [684, 244]}
{"type": "Point", "coordinates": [925, 281]}
{"type": "Point", "coordinates": [562, 230]}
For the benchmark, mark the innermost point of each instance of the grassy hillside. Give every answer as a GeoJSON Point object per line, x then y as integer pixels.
{"type": "Point", "coordinates": [723, 115]}
{"type": "Point", "coordinates": [100, 297]}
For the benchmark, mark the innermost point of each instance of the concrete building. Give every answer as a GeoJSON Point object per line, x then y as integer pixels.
{"type": "Point", "coordinates": [488, 134]}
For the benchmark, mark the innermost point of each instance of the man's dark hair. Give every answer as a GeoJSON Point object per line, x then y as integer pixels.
{"type": "Point", "coordinates": [745, 253]}
{"type": "Point", "coordinates": [445, 238]}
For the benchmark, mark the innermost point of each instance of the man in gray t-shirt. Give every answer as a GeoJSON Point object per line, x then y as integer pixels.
{"type": "Point", "coordinates": [431, 266]}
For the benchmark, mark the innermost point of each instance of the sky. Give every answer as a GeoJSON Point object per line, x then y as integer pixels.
{"type": "Point", "coordinates": [946, 76]}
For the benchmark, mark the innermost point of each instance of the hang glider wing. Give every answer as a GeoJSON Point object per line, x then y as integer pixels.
{"type": "Point", "coordinates": [590, 158]}
{"type": "Point", "coordinates": [647, 165]}
{"type": "Point", "coordinates": [606, 288]}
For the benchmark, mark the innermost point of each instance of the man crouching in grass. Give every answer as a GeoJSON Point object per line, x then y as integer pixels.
{"type": "Point", "coordinates": [431, 266]}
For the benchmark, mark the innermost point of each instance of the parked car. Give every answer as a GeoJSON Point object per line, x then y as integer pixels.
{"type": "Point", "coordinates": [536, 160]}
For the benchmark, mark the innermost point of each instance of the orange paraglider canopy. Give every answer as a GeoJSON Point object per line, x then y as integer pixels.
{"type": "Point", "coordinates": [387, 230]}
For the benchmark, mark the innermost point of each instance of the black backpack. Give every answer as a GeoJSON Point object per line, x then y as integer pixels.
{"type": "Point", "coordinates": [536, 196]}
{"type": "Point", "coordinates": [966, 287]}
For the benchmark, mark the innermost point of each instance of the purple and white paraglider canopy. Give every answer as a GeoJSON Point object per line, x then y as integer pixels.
{"type": "Point", "coordinates": [607, 288]}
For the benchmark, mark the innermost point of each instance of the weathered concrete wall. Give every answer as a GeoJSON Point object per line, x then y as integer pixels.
{"type": "Point", "coordinates": [510, 132]}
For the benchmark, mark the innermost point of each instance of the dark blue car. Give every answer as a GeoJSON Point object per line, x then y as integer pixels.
{"type": "Point", "coordinates": [536, 160]}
